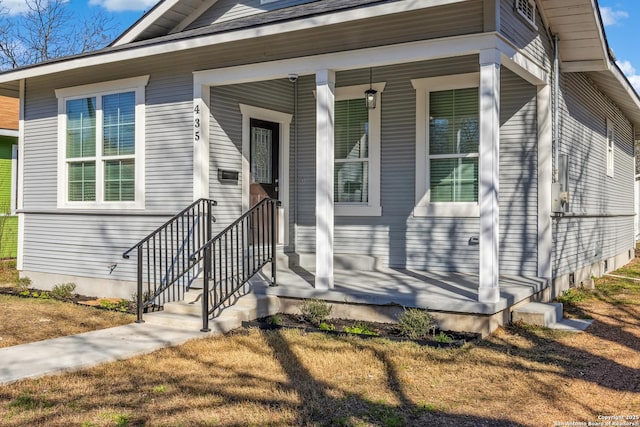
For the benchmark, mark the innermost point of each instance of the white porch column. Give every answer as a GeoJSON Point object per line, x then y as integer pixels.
{"type": "Point", "coordinates": [489, 289]}
{"type": "Point", "coordinates": [201, 112]}
{"type": "Point", "coordinates": [325, 89]}
{"type": "Point", "coordinates": [545, 173]}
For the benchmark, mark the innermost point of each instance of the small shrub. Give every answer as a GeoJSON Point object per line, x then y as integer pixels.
{"type": "Point", "coordinates": [444, 338]}
{"type": "Point", "coordinates": [276, 320]}
{"type": "Point", "coordinates": [360, 328]}
{"type": "Point", "coordinates": [23, 283]}
{"type": "Point", "coordinates": [43, 295]}
{"type": "Point", "coordinates": [120, 305]}
{"type": "Point", "coordinates": [415, 323]}
{"type": "Point", "coordinates": [327, 327]}
{"type": "Point", "coordinates": [63, 291]}
{"type": "Point", "coordinates": [315, 311]}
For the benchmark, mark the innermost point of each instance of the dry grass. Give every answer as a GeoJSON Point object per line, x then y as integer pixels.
{"type": "Point", "coordinates": [30, 319]}
{"type": "Point", "coordinates": [521, 376]}
{"type": "Point", "coordinates": [26, 320]}
{"type": "Point", "coordinates": [8, 272]}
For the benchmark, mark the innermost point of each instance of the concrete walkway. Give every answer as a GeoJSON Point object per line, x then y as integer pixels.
{"type": "Point", "coordinates": [88, 349]}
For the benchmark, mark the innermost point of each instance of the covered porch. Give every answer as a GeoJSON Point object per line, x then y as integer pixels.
{"type": "Point", "coordinates": [398, 223]}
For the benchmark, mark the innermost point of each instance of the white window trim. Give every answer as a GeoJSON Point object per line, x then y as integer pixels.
{"type": "Point", "coordinates": [611, 152]}
{"type": "Point", "coordinates": [136, 84]}
{"type": "Point", "coordinates": [14, 178]}
{"type": "Point", "coordinates": [423, 205]}
{"type": "Point", "coordinates": [372, 207]}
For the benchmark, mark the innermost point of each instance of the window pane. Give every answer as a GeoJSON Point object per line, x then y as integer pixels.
{"type": "Point", "coordinates": [351, 183]}
{"type": "Point", "coordinates": [454, 180]}
{"type": "Point", "coordinates": [262, 155]}
{"type": "Point", "coordinates": [453, 121]}
{"type": "Point", "coordinates": [119, 180]}
{"type": "Point", "coordinates": [119, 124]}
{"type": "Point", "coordinates": [81, 128]}
{"type": "Point", "coordinates": [82, 181]}
{"type": "Point", "coordinates": [351, 129]}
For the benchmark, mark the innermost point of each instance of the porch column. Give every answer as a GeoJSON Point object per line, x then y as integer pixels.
{"type": "Point", "coordinates": [201, 112]}
{"type": "Point", "coordinates": [325, 90]}
{"type": "Point", "coordinates": [545, 174]}
{"type": "Point", "coordinates": [489, 289]}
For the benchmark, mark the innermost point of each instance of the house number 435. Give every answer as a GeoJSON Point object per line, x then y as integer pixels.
{"type": "Point", "coordinates": [196, 123]}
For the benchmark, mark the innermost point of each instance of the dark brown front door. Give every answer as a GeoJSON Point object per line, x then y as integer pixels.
{"type": "Point", "coordinates": [264, 157]}
{"type": "Point", "coordinates": [265, 137]}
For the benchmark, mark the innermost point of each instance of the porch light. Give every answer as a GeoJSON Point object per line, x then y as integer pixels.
{"type": "Point", "coordinates": [370, 94]}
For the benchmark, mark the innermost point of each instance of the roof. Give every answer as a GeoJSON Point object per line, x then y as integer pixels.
{"type": "Point", "coordinates": [583, 47]}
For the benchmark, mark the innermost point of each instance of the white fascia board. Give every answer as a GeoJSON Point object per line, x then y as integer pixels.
{"type": "Point", "coordinates": [146, 22]}
{"type": "Point", "coordinates": [9, 132]}
{"type": "Point", "coordinates": [214, 39]}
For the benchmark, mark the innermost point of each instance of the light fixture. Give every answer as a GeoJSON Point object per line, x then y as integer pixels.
{"type": "Point", "coordinates": [370, 94]}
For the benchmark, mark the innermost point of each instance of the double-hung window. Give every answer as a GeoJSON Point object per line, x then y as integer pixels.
{"type": "Point", "coordinates": [101, 145]}
{"type": "Point", "coordinates": [356, 153]}
{"type": "Point", "coordinates": [448, 137]}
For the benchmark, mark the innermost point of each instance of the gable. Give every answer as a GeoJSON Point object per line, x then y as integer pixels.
{"type": "Point", "coordinates": [172, 16]}
{"type": "Point", "coordinates": [228, 10]}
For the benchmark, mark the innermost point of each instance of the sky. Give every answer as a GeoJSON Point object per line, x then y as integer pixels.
{"type": "Point", "coordinates": [621, 20]}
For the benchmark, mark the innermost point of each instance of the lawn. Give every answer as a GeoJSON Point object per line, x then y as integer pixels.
{"type": "Point", "coordinates": [33, 319]}
{"type": "Point", "coordinates": [520, 376]}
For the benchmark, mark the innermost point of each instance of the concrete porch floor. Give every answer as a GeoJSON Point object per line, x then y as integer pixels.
{"type": "Point", "coordinates": [441, 292]}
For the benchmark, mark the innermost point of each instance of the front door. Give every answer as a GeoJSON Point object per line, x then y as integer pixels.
{"type": "Point", "coordinates": [265, 153]}
{"type": "Point", "coordinates": [264, 160]}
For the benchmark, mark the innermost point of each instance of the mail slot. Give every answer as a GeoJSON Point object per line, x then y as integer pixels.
{"type": "Point", "coordinates": [228, 176]}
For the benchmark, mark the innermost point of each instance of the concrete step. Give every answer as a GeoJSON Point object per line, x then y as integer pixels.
{"type": "Point", "coordinates": [537, 313]}
{"type": "Point", "coordinates": [187, 313]}
{"type": "Point", "coordinates": [218, 325]}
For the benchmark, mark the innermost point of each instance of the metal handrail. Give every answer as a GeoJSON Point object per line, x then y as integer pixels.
{"type": "Point", "coordinates": [168, 269]}
{"type": "Point", "coordinates": [125, 255]}
{"type": "Point", "coordinates": [236, 254]}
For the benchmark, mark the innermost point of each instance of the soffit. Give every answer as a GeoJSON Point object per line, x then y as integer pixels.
{"type": "Point", "coordinates": [581, 40]}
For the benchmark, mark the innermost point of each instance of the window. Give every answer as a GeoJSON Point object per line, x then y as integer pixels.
{"type": "Point", "coordinates": [527, 9]}
{"type": "Point", "coordinates": [610, 147]}
{"type": "Point", "coordinates": [351, 183]}
{"type": "Point", "coordinates": [448, 136]}
{"type": "Point", "coordinates": [453, 145]}
{"type": "Point", "coordinates": [357, 153]}
{"type": "Point", "coordinates": [101, 145]}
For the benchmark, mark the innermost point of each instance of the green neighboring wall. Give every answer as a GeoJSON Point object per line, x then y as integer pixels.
{"type": "Point", "coordinates": [8, 223]}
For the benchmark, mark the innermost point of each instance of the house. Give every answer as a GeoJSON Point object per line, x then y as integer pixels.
{"type": "Point", "coordinates": [496, 167]}
{"type": "Point", "coordinates": [8, 176]}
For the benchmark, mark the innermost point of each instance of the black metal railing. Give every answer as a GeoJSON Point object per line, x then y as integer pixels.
{"type": "Point", "coordinates": [236, 254]}
{"type": "Point", "coordinates": [165, 269]}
